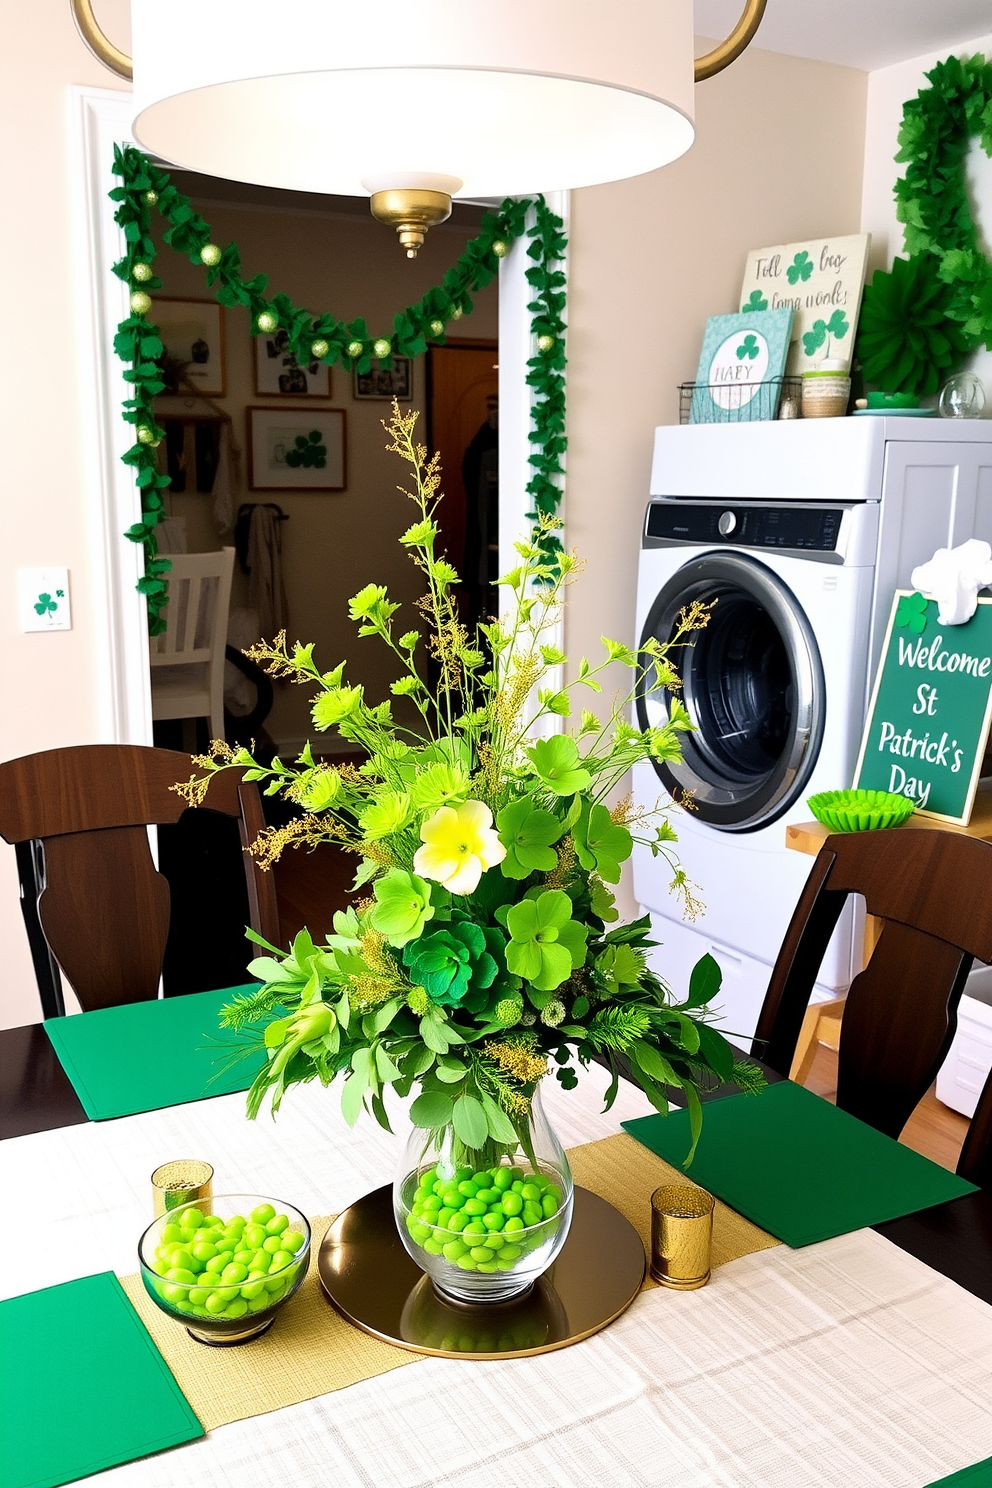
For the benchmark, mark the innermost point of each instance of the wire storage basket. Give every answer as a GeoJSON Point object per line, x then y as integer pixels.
{"type": "Point", "coordinates": [733, 403]}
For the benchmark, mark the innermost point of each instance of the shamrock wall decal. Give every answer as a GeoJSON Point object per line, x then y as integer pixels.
{"type": "Point", "coordinates": [911, 612]}
{"type": "Point", "coordinates": [801, 267]}
{"type": "Point", "coordinates": [756, 301]}
{"type": "Point", "coordinates": [748, 348]}
{"type": "Point", "coordinates": [45, 604]}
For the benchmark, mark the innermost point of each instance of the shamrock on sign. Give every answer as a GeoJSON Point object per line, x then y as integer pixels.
{"type": "Point", "coordinates": [309, 452]}
{"type": "Point", "coordinates": [748, 348]}
{"type": "Point", "coordinates": [836, 327]}
{"type": "Point", "coordinates": [756, 301]}
{"type": "Point", "coordinates": [912, 612]}
{"type": "Point", "coordinates": [801, 267]}
{"type": "Point", "coordinates": [45, 605]}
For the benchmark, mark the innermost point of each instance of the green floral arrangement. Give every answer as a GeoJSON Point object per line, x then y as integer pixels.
{"type": "Point", "coordinates": [486, 949]}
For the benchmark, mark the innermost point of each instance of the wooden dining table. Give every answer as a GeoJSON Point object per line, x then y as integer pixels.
{"type": "Point", "coordinates": [863, 1360]}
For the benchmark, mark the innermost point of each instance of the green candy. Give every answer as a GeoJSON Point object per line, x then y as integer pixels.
{"type": "Point", "coordinates": [204, 1251]}
{"type": "Point", "coordinates": [254, 1235]}
{"type": "Point", "coordinates": [513, 1225]}
{"type": "Point", "coordinates": [494, 1242]}
{"type": "Point", "coordinates": [494, 1220]}
{"type": "Point", "coordinates": [281, 1260]}
{"type": "Point", "coordinates": [517, 1186]}
{"type": "Point", "coordinates": [237, 1308]}
{"type": "Point", "coordinates": [271, 1244]}
{"type": "Point", "coordinates": [217, 1263]}
{"type": "Point", "coordinates": [478, 1253]}
{"type": "Point", "coordinates": [502, 1179]}
{"type": "Point", "coordinates": [465, 1262]}
{"type": "Point", "coordinates": [452, 1199]}
{"type": "Point", "coordinates": [432, 1247]}
{"type": "Point", "coordinates": [511, 1204]}
{"type": "Point", "coordinates": [277, 1225]}
{"type": "Point", "coordinates": [530, 1191]}
{"type": "Point", "coordinates": [190, 1219]}
{"type": "Point", "coordinates": [234, 1273]}
{"type": "Point", "coordinates": [549, 1207]}
{"type": "Point", "coordinates": [292, 1240]}
{"type": "Point", "coordinates": [453, 1250]}
{"type": "Point", "coordinates": [532, 1215]}
{"type": "Point", "coordinates": [171, 1234]}
{"type": "Point", "coordinates": [252, 1289]}
{"type": "Point", "coordinates": [181, 1273]}
{"type": "Point", "coordinates": [474, 1207]}
{"type": "Point", "coordinates": [458, 1222]}
{"type": "Point", "coordinates": [468, 1189]}
{"type": "Point", "coordinates": [260, 1216]}
{"type": "Point", "coordinates": [488, 1196]}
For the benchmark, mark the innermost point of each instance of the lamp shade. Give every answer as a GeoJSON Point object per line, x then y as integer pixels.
{"type": "Point", "coordinates": [348, 96]}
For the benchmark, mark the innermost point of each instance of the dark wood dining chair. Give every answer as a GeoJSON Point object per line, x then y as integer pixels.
{"type": "Point", "coordinates": [94, 905]}
{"type": "Point", "coordinates": [933, 890]}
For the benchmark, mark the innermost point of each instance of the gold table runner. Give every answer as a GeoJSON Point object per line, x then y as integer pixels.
{"type": "Point", "coordinates": [310, 1350]}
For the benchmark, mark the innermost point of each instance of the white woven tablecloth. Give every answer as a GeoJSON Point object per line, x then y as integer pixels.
{"type": "Point", "coordinates": [844, 1365]}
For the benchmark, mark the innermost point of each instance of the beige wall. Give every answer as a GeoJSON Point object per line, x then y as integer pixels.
{"type": "Point", "coordinates": [334, 541]}
{"type": "Point", "coordinates": [48, 682]}
{"type": "Point", "coordinates": [777, 157]}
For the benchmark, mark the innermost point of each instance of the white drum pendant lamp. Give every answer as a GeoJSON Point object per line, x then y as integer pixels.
{"type": "Point", "coordinates": [438, 98]}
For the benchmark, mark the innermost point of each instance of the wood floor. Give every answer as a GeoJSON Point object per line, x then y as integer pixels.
{"type": "Point", "coordinates": [933, 1129]}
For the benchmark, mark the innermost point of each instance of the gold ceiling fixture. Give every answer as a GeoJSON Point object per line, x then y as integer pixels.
{"type": "Point", "coordinates": [550, 100]}
{"type": "Point", "coordinates": [728, 51]}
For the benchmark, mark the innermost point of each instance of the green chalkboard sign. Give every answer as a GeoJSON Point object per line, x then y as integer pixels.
{"type": "Point", "coordinates": [930, 710]}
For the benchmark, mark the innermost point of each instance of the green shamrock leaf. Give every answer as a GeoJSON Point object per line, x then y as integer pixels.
{"type": "Point", "coordinates": [756, 301]}
{"type": "Point", "coordinates": [814, 339]}
{"type": "Point", "coordinates": [601, 844]}
{"type": "Point", "coordinates": [45, 605]}
{"type": "Point", "coordinates": [748, 348]}
{"type": "Point", "coordinates": [555, 762]}
{"type": "Point", "coordinates": [452, 963]}
{"type": "Point", "coordinates": [547, 944]}
{"type": "Point", "coordinates": [801, 267]}
{"type": "Point", "coordinates": [403, 906]}
{"type": "Point", "coordinates": [911, 612]}
{"type": "Point", "coordinates": [838, 325]}
{"type": "Point", "coordinates": [527, 833]}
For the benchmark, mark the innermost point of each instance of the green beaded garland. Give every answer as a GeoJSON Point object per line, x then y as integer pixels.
{"type": "Point", "coordinates": [319, 349]}
{"type": "Point", "coordinates": [210, 255]}
{"type": "Point", "coordinates": [545, 343]}
{"type": "Point", "coordinates": [150, 198]}
{"type": "Point", "coordinates": [437, 327]}
{"type": "Point", "coordinates": [382, 348]}
{"type": "Point", "coordinates": [500, 248]}
{"type": "Point", "coordinates": [142, 272]}
{"type": "Point", "coordinates": [140, 302]}
{"type": "Point", "coordinates": [268, 321]}
{"type": "Point", "coordinates": [355, 349]}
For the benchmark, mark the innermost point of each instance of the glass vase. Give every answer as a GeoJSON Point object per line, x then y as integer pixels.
{"type": "Point", "coordinates": [484, 1222]}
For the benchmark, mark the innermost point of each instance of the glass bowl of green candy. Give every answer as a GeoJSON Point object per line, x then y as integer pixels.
{"type": "Point", "coordinates": [484, 1235]}
{"type": "Point", "coordinates": [225, 1273]}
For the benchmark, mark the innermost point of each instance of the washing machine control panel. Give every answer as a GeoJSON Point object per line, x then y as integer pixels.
{"type": "Point", "coordinates": [798, 527]}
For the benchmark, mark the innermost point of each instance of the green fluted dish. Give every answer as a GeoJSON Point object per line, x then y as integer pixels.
{"type": "Point", "coordinates": [860, 810]}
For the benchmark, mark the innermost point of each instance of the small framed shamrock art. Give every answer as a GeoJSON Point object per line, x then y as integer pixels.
{"type": "Point", "coordinates": [741, 367]}
{"type": "Point", "coordinates": [296, 449]}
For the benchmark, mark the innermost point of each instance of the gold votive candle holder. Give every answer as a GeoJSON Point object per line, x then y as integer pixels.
{"type": "Point", "coordinates": [681, 1236]}
{"type": "Point", "coordinates": [186, 1180]}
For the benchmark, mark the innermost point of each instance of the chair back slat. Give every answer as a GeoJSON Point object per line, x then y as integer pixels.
{"type": "Point", "coordinates": [197, 609]}
{"type": "Point", "coordinates": [934, 891]}
{"type": "Point", "coordinates": [105, 914]}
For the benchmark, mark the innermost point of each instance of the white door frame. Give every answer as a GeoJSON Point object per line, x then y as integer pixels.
{"type": "Point", "coordinates": [101, 118]}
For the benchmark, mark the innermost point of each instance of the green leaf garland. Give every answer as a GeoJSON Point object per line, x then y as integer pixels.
{"type": "Point", "coordinates": [918, 322]}
{"type": "Point", "coordinates": [325, 338]}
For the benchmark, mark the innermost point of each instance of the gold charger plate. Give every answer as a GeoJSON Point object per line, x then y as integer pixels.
{"type": "Point", "coordinates": [373, 1282]}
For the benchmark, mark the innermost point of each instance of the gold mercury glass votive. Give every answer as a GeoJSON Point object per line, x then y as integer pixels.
{"type": "Point", "coordinates": [681, 1236]}
{"type": "Point", "coordinates": [183, 1181]}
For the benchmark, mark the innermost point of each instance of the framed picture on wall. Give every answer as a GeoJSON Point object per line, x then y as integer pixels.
{"type": "Point", "coordinates": [278, 371]}
{"type": "Point", "coordinates": [192, 333]}
{"type": "Point", "coordinates": [296, 449]}
{"type": "Point", "coordinates": [387, 382]}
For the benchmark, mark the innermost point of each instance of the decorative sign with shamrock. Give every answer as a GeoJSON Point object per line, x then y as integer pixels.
{"type": "Point", "coordinates": [821, 282]}
{"type": "Point", "coordinates": [741, 366]}
{"type": "Point", "coordinates": [929, 718]}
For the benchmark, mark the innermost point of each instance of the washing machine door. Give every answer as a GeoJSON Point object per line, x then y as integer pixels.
{"type": "Point", "coordinates": [752, 681]}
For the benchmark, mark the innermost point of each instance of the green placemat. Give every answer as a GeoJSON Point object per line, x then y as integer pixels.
{"type": "Point", "coordinates": [82, 1386]}
{"type": "Point", "coordinates": [151, 1054]}
{"type": "Point", "coordinates": [797, 1166]}
{"type": "Point", "coordinates": [979, 1476]}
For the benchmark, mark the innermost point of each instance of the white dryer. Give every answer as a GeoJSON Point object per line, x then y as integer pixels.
{"type": "Point", "coordinates": [799, 531]}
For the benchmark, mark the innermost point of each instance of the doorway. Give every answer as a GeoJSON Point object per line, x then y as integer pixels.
{"type": "Point", "coordinates": [463, 426]}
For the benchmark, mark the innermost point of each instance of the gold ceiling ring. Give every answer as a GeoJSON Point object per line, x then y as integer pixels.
{"type": "Point", "coordinates": [103, 49]}
{"type": "Point", "coordinates": [705, 67]}
{"type": "Point", "coordinates": [728, 51]}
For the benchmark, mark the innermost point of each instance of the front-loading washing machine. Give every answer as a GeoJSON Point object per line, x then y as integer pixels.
{"type": "Point", "coordinates": [795, 534]}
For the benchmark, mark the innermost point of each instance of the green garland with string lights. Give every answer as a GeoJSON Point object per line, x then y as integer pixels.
{"type": "Point", "coordinates": [146, 189]}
